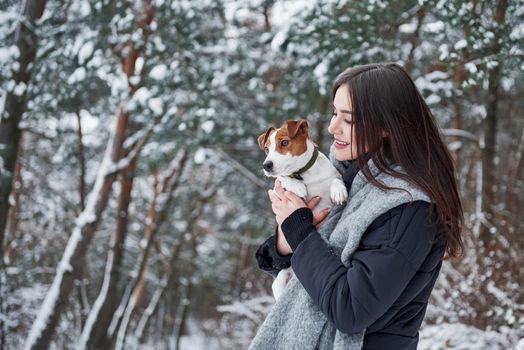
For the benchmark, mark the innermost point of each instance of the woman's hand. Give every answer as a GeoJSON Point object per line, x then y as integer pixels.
{"type": "Point", "coordinates": [283, 204]}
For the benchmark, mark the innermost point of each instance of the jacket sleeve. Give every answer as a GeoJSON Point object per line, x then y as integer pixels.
{"type": "Point", "coordinates": [268, 258]}
{"type": "Point", "coordinates": [353, 298]}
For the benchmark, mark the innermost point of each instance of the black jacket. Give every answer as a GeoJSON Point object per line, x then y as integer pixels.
{"type": "Point", "coordinates": [386, 288]}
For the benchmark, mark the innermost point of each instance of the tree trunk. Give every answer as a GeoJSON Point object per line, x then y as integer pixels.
{"type": "Point", "coordinates": [139, 284]}
{"type": "Point", "coordinates": [87, 223]}
{"type": "Point", "coordinates": [94, 334]}
{"type": "Point", "coordinates": [12, 222]}
{"type": "Point", "coordinates": [74, 254]}
{"type": "Point", "coordinates": [155, 218]}
{"type": "Point", "coordinates": [15, 105]}
{"type": "Point", "coordinates": [81, 163]}
{"type": "Point", "coordinates": [512, 201]}
{"type": "Point", "coordinates": [180, 322]}
{"type": "Point", "coordinates": [415, 39]}
{"type": "Point", "coordinates": [490, 139]}
{"type": "Point", "coordinates": [168, 280]}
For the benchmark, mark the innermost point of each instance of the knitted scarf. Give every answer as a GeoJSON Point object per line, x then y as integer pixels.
{"type": "Point", "coordinates": [295, 321]}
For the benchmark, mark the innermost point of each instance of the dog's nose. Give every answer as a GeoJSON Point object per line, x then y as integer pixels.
{"type": "Point", "coordinates": [268, 165]}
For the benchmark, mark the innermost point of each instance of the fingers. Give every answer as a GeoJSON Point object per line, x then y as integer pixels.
{"type": "Point", "coordinates": [313, 202]}
{"type": "Point", "coordinates": [279, 190]}
{"type": "Point", "coordinates": [320, 217]}
{"type": "Point", "coordinates": [320, 223]}
{"type": "Point", "coordinates": [296, 200]}
{"type": "Point", "coordinates": [273, 196]}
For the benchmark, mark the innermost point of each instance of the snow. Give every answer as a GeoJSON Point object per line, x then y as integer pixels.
{"type": "Point", "coordinates": [97, 305]}
{"type": "Point", "coordinates": [507, 84]}
{"type": "Point", "coordinates": [284, 11]}
{"type": "Point", "coordinates": [150, 308]}
{"type": "Point", "coordinates": [436, 83]}
{"type": "Point", "coordinates": [408, 28]}
{"type": "Point", "coordinates": [492, 64]}
{"type": "Point", "coordinates": [455, 146]}
{"type": "Point", "coordinates": [237, 67]}
{"type": "Point", "coordinates": [158, 72]}
{"type": "Point", "coordinates": [142, 95]}
{"type": "Point", "coordinates": [517, 32]}
{"type": "Point", "coordinates": [433, 99]}
{"type": "Point", "coordinates": [320, 73]}
{"type": "Point", "coordinates": [471, 67]}
{"type": "Point", "coordinates": [158, 43]}
{"type": "Point", "coordinates": [3, 96]}
{"type": "Point", "coordinates": [444, 52]}
{"type": "Point", "coordinates": [87, 216]}
{"type": "Point", "coordinates": [85, 52]}
{"type": "Point", "coordinates": [200, 156]}
{"type": "Point", "coordinates": [7, 54]}
{"type": "Point", "coordinates": [69, 121]}
{"type": "Point", "coordinates": [434, 27]}
{"type": "Point", "coordinates": [251, 309]}
{"type": "Point", "coordinates": [3, 170]}
{"type": "Point", "coordinates": [78, 75]}
{"type": "Point", "coordinates": [279, 39]}
{"type": "Point", "coordinates": [196, 339]}
{"type": "Point", "coordinates": [461, 44]}
{"type": "Point", "coordinates": [156, 105]}
{"type": "Point", "coordinates": [283, 15]}
{"type": "Point", "coordinates": [139, 65]}
{"type": "Point", "coordinates": [20, 89]}
{"type": "Point", "coordinates": [461, 337]}
{"type": "Point", "coordinates": [208, 126]}
{"type": "Point", "coordinates": [49, 304]}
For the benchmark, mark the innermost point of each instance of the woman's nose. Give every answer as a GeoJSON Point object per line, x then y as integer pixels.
{"type": "Point", "coordinates": [333, 126]}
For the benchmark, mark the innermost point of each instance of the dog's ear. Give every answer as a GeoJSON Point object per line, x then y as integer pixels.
{"type": "Point", "coordinates": [263, 138]}
{"type": "Point", "coordinates": [294, 126]}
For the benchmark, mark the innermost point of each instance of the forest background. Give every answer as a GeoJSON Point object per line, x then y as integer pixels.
{"type": "Point", "coordinates": [132, 197]}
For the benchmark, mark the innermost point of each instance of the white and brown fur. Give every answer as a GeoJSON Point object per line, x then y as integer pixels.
{"type": "Point", "coordinates": [322, 179]}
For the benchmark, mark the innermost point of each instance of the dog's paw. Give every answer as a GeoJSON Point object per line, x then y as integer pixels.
{"type": "Point", "coordinates": [280, 282]}
{"type": "Point", "coordinates": [339, 193]}
{"type": "Point", "coordinates": [295, 186]}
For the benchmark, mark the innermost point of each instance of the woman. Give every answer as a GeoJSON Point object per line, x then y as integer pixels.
{"type": "Point", "coordinates": [363, 277]}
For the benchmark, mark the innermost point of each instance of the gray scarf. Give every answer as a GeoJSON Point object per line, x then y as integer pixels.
{"type": "Point", "coordinates": [295, 321]}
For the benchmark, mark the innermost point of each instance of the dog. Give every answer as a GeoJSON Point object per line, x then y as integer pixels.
{"type": "Point", "coordinates": [301, 168]}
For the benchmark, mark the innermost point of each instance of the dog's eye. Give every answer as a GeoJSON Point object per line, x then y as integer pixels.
{"type": "Point", "coordinates": [284, 143]}
{"type": "Point", "coordinates": [266, 150]}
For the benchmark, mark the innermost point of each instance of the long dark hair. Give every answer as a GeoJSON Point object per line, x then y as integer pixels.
{"type": "Point", "coordinates": [393, 121]}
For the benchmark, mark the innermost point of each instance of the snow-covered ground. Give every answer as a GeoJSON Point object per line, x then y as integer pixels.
{"type": "Point", "coordinates": [462, 337]}
{"type": "Point", "coordinates": [454, 336]}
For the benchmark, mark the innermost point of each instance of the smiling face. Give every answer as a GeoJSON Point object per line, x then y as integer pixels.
{"type": "Point", "coordinates": [342, 126]}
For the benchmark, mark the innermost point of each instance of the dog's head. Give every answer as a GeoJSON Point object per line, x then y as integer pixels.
{"type": "Point", "coordinates": [286, 148]}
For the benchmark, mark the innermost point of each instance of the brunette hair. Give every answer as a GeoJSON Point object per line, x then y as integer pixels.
{"type": "Point", "coordinates": [391, 118]}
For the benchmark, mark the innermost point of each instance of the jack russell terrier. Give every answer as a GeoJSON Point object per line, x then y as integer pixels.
{"type": "Point", "coordinates": [301, 168]}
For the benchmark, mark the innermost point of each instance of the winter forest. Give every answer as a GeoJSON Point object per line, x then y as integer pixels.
{"type": "Point", "coordinates": [132, 193]}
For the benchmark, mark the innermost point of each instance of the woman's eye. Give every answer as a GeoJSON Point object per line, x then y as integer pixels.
{"type": "Point", "coordinates": [284, 143]}
{"type": "Point", "coordinates": [349, 121]}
